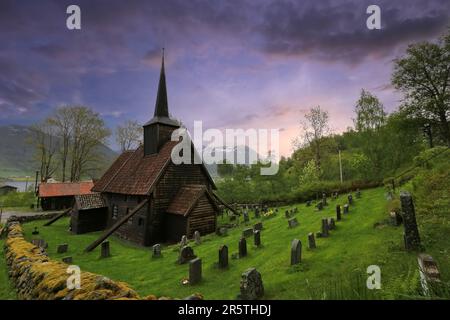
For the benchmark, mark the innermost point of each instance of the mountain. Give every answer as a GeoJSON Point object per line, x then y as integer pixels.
{"type": "Point", "coordinates": [17, 155]}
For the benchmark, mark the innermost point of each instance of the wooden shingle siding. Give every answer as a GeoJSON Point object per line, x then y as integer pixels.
{"type": "Point", "coordinates": [202, 217]}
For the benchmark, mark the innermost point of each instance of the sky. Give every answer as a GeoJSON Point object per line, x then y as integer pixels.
{"type": "Point", "coordinates": [229, 63]}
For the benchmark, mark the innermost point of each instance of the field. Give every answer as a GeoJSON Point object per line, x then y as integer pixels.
{"type": "Point", "coordinates": [335, 270]}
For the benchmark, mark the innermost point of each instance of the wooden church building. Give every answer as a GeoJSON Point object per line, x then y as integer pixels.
{"type": "Point", "coordinates": [149, 198]}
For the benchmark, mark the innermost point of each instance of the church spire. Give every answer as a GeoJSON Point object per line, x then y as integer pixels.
{"type": "Point", "coordinates": [161, 107]}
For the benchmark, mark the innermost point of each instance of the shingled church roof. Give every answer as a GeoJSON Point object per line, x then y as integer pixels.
{"type": "Point", "coordinates": [135, 174]}
{"type": "Point", "coordinates": [186, 199]}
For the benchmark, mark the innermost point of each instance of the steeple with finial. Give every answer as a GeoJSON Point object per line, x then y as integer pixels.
{"type": "Point", "coordinates": [159, 129]}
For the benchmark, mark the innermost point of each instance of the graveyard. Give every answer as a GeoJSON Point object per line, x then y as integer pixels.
{"type": "Point", "coordinates": [335, 269]}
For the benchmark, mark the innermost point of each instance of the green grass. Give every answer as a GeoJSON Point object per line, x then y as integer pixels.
{"type": "Point", "coordinates": [6, 290]}
{"type": "Point", "coordinates": [335, 270]}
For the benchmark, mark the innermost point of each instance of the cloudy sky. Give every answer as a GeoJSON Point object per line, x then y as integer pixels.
{"type": "Point", "coordinates": [231, 64]}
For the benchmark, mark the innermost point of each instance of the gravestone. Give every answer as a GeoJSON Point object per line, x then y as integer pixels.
{"type": "Point", "coordinates": [223, 256]}
{"type": "Point", "coordinates": [251, 285]}
{"type": "Point", "coordinates": [311, 241]}
{"type": "Point", "coordinates": [331, 224]}
{"type": "Point", "coordinates": [396, 218]}
{"type": "Point", "coordinates": [223, 231]}
{"type": "Point", "coordinates": [195, 271]}
{"type": "Point", "coordinates": [324, 228]}
{"type": "Point", "coordinates": [186, 255]}
{"type": "Point", "coordinates": [350, 199]}
{"type": "Point", "coordinates": [242, 247]}
{"type": "Point", "coordinates": [292, 222]}
{"type": "Point", "coordinates": [246, 217]}
{"type": "Point", "coordinates": [308, 203]}
{"type": "Point", "coordinates": [257, 237]}
{"type": "Point", "coordinates": [247, 232]}
{"type": "Point", "coordinates": [296, 252]}
{"type": "Point", "coordinates": [197, 237]}
{"type": "Point", "coordinates": [338, 213]}
{"type": "Point", "coordinates": [257, 213]}
{"type": "Point", "coordinates": [324, 199]}
{"type": "Point", "coordinates": [156, 250]}
{"type": "Point", "coordinates": [67, 260]}
{"type": "Point", "coordinates": [105, 251]}
{"type": "Point", "coordinates": [183, 241]}
{"type": "Point", "coordinates": [318, 234]}
{"type": "Point", "coordinates": [62, 248]}
{"type": "Point", "coordinates": [40, 243]}
{"type": "Point", "coordinates": [258, 226]}
{"type": "Point", "coordinates": [319, 206]}
{"type": "Point", "coordinates": [411, 236]}
{"type": "Point", "coordinates": [35, 231]}
{"type": "Point", "coordinates": [346, 208]}
{"type": "Point", "coordinates": [287, 214]}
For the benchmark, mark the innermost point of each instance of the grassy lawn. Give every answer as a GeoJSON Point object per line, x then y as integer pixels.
{"type": "Point", "coordinates": [6, 290]}
{"type": "Point", "coordinates": [336, 269]}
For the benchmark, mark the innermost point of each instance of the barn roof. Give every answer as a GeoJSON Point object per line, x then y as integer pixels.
{"type": "Point", "coordinates": [89, 201]}
{"type": "Point", "coordinates": [186, 198]}
{"type": "Point", "coordinates": [63, 189]}
{"type": "Point", "coordinates": [135, 174]}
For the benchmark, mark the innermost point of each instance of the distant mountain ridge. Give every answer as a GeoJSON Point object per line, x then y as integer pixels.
{"type": "Point", "coordinates": [17, 155]}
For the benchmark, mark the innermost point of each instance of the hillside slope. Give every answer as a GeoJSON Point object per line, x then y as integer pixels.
{"type": "Point", "coordinates": [17, 155]}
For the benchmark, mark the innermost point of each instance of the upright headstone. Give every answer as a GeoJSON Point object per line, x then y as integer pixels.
{"type": "Point", "coordinates": [156, 250]}
{"type": "Point", "coordinates": [311, 241]}
{"type": "Point", "coordinates": [195, 271]}
{"type": "Point", "coordinates": [258, 226]}
{"type": "Point", "coordinates": [319, 205]}
{"type": "Point", "coordinates": [35, 231]}
{"type": "Point", "coordinates": [248, 232]}
{"type": "Point", "coordinates": [62, 248]}
{"type": "Point", "coordinates": [350, 199]}
{"type": "Point", "coordinates": [292, 222]}
{"type": "Point", "coordinates": [346, 208]}
{"type": "Point", "coordinates": [338, 213]}
{"type": "Point", "coordinates": [324, 228]}
{"type": "Point", "coordinates": [411, 235]}
{"type": "Point", "coordinates": [308, 203]}
{"type": "Point", "coordinates": [183, 241]}
{"type": "Point", "coordinates": [324, 199]}
{"type": "Point", "coordinates": [246, 217]}
{"type": "Point", "coordinates": [186, 255]}
{"type": "Point", "coordinates": [257, 213]}
{"type": "Point", "coordinates": [296, 252]}
{"type": "Point", "coordinates": [251, 285]}
{"type": "Point", "coordinates": [331, 224]}
{"type": "Point", "coordinates": [105, 251]}
{"type": "Point", "coordinates": [257, 237]}
{"type": "Point", "coordinates": [223, 256]}
{"type": "Point", "coordinates": [242, 247]}
{"type": "Point", "coordinates": [287, 214]}
{"type": "Point", "coordinates": [197, 237]}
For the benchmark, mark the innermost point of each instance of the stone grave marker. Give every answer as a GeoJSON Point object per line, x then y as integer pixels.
{"type": "Point", "coordinates": [35, 231]}
{"type": "Point", "coordinates": [186, 255]}
{"type": "Point", "coordinates": [411, 235]}
{"type": "Point", "coordinates": [324, 199]}
{"type": "Point", "coordinates": [346, 208]}
{"type": "Point", "coordinates": [248, 232]}
{"type": "Point", "coordinates": [184, 241]}
{"type": "Point", "coordinates": [246, 217]}
{"type": "Point", "coordinates": [350, 199]}
{"type": "Point", "coordinates": [319, 205]}
{"type": "Point", "coordinates": [331, 224]}
{"type": "Point", "coordinates": [223, 257]}
{"type": "Point", "coordinates": [258, 226]}
{"type": "Point", "coordinates": [67, 260]}
{"type": "Point", "coordinates": [156, 250]}
{"type": "Point", "coordinates": [257, 237]}
{"type": "Point", "coordinates": [338, 213]}
{"type": "Point", "coordinates": [311, 241]}
{"type": "Point", "coordinates": [62, 248]}
{"type": "Point", "coordinates": [296, 252]}
{"type": "Point", "coordinates": [105, 250]}
{"type": "Point", "coordinates": [257, 213]}
{"type": "Point", "coordinates": [197, 237]}
{"type": "Point", "coordinates": [195, 271]}
{"type": "Point", "coordinates": [243, 247]}
{"type": "Point", "coordinates": [324, 228]}
{"type": "Point", "coordinates": [292, 222]}
{"type": "Point", "coordinates": [251, 285]}
{"type": "Point", "coordinates": [287, 214]}
{"type": "Point", "coordinates": [308, 203]}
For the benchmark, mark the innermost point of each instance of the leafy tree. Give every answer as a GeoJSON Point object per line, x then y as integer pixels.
{"type": "Point", "coordinates": [129, 135]}
{"type": "Point", "coordinates": [423, 74]}
{"type": "Point", "coordinates": [369, 111]}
